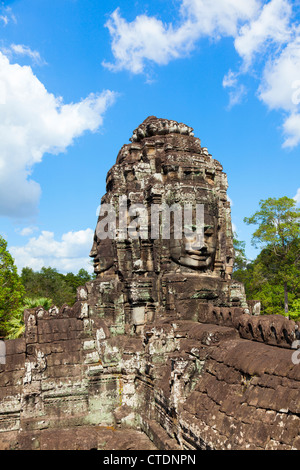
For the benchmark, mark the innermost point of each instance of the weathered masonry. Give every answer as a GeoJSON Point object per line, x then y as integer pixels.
{"type": "Point", "coordinates": [163, 343]}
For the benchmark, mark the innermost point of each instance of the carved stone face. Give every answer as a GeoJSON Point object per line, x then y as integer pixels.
{"type": "Point", "coordinates": [196, 254]}
{"type": "Point", "coordinates": [165, 164]}
{"type": "Point", "coordinates": [103, 254]}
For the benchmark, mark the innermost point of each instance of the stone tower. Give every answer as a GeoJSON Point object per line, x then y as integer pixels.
{"type": "Point", "coordinates": [165, 166]}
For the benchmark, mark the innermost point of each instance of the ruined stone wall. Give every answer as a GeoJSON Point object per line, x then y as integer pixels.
{"type": "Point", "coordinates": [239, 394]}
{"type": "Point", "coordinates": [185, 385]}
{"type": "Point", "coordinates": [50, 377]}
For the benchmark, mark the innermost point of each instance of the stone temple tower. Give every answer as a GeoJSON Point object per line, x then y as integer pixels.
{"type": "Point", "coordinates": [165, 166]}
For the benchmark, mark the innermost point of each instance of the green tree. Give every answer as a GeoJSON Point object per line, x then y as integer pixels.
{"type": "Point", "coordinates": [44, 288]}
{"type": "Point", "coordinates": [15, 326]}
{"type": "Point", "coordinates": [241, 261]}
{"type": "Point", "coordinates": [295, 309]}
{"type": "Point", "coordinates": [49, 283]}
{"type": "Point", "coordinates": [11, 288]}
{"type": "Point", "coordinates": [30, 282]}
{"type": "Point", "coordinates": [77, 280]}
{"type": "Point", "coordinates": [278, 233]}
{"type": "Point", "coordinates": [84, 277]}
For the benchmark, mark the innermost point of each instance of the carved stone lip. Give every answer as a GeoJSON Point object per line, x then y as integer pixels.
{"type": "Point", "coordinates": [198, 254]}
{"type": "Point", "coordinates": [197, 257]}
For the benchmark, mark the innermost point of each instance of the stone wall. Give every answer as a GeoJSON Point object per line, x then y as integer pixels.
{"type": "Point", "coordinates": [180, 385]}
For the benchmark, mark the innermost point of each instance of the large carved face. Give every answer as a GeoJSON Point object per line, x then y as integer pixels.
{"type": "Point", "coordinates": [197, 252]}
{"type": "Point", "coordinates": [103, 254]}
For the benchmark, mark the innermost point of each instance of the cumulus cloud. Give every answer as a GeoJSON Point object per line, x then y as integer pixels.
{"type": "Point", "coordinates": [291, 129]}
{"type": "Point", "coordinates": [297, 197]}
{"type": "Point", "coordinates": [220, 17]}
{"type": "Point", "coordinates": [148, 39]}
{"type": "Point", "coordinates": [34, 122]}
{"type": "Point", "coordinates": [281, 78]}
{"type": "Point", "coordinates": [280, 88]}
{"type": "Point", "coordinates": [251, 23]}
{"type": "Point", "coordinates": [145, 39]}
{"type": "Point", "coordinates": [263, 32]}
{"type": "Point", "coordinates": [271, 26]}
{"type": "Point", "coordinates": [69, 254]}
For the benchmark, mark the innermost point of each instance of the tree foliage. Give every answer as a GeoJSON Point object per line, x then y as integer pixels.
{"type": "Point", "coordinates": [274, 276]}
{"type": "Point", "coordinates": [11, 289]}
{"type": "Point", "coordinates": [32, 289]}
{"type": "Point", "coordinates": [15, 326]}
{"type": "Point", "coordinates": [240, 254]}
{"type": "Point", "coordinates": [278, 224]}
{"type": "Point", "coordinates": [49, 283]}
{"type": "Point", "coordinates": [43, 289]}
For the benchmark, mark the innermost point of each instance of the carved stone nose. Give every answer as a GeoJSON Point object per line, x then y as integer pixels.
{"type": "Point", "coordinates": [93, 253]}
{"type": "Point", "coordinates": [198, 246]}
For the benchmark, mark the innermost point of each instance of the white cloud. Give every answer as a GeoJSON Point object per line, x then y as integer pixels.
{"type": "Point", "coordinates": [230, 80]}
{"type": "Point", "coordinates": [149, 39]}
{"type": "Point", "coordinates": [238, 91]}
{"type": "Point", "coordinates": [6, 15]}
{"type": "Point", "coordinates": [297, 197]}
{"type": "Point", "coordinates": [220, 17]}
{"type": "Point", "coordinates": [229, 200]}
{"type": "Point", "coordinates": [273, 37]}
{"type": "Point", "coordinates": [271, 26]}
{"type": "Point", "coordinates": [34, 122]}
{"type": "Point", "coordinates": [281, 76]}
{"type": "Point", "coordinates": [145, 39]}
{"type": "Point", "coordinates": [236, 96]}
{"type": "Point", "coordinates": [26, 231]}
{"type": "Point", "coordinates": [280, 89]}
{"type": "Point", "coordinates": [22, 50]}
{"type": "Point", "coordinates": [291, 129]}
{"type": "Point", "coordinates": [4, 19]}
{"type": "Point", "coordinates": [263, 32]}
{"type": "Point", "coordinates": [66, 255]}
{"type": "Point", "coordinates": [273, 34]}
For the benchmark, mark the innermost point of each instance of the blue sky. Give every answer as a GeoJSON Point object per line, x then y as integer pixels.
{"type": "Point", "coordinates": [78, 76]}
